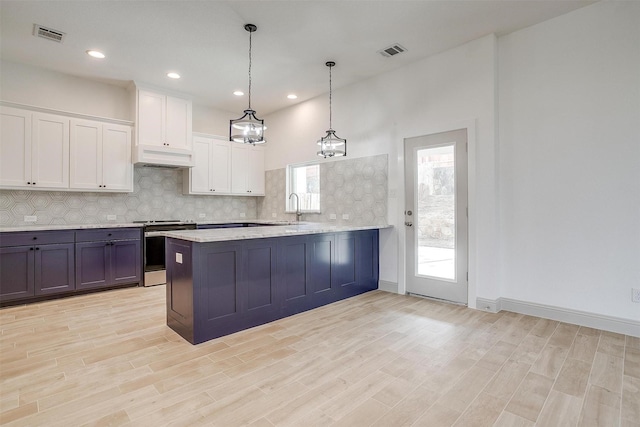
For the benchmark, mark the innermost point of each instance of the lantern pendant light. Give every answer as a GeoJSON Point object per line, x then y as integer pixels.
{"type": "Point", "coordinates": [331, 145]}
{"type": "Point", "coordinates": [248, 129]}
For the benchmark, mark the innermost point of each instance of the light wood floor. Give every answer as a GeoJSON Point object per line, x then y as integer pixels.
{"type": "Point", "coordinates": [378, 359]}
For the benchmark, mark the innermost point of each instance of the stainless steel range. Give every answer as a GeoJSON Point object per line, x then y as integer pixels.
{"type": "Point", "coordinates": [154, 258]}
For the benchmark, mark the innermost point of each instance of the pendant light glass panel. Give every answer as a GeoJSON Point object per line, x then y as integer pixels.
{"type": "Point", "coordinates": [331, 145]}
{"type": "Point", "coordinates": [248, 129]}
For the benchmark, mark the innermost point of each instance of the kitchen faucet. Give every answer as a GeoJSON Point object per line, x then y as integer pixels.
{"type": "Point", "coordinates": [298, 213]}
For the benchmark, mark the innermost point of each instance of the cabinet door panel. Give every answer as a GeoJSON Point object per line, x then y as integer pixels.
{"type": "Point", "coordinates": [54, 272]}
{"type": "Point", "coordinates": [256, 171]}
{"type": "Point", "coordinates": [261, 281]}
{"type": "Point", "coordinates": [345, 268]}
{"type": "Point", "coordinates": [92, 265]}
{"type": "Point", "coordinates": [16, 272]}
{"type": "Point", "coordinates": [293, 274]}
{"type": "Point", "coordinates": [178, 122]}
{"type": "Point", "coordinates": [320, 257]}
{"type": "Point", "coordinates": [367, 257]}
{"type": "Point", "coordinates": [15, 147]}
{"type": "Point", "coordinates": [221, 283]}
{"type": "Point", "coordinates": [221, 167]}
{"type": "Point", "coordinates": [126, 261]}
{"type": "Point", "coordinates": [86, 154]}
{"type": "Point", "coordinates": [239, 168]}
{"type": "Point", "coordinates": [117, 169]}
{"type": "Point", "coordinates": [201, 172]}
{"type": "Point", "coordinates": [151, 116]}
{"type": "Point", "coordinates": [50, 155]}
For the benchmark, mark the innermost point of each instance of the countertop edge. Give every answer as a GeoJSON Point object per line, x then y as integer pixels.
{"type": "Point", "coordinates": [50, 227]}
{"type": "Point", "coordinates": [231, 234]}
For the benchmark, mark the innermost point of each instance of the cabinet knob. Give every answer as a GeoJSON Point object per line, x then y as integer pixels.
{"type": "Point", "coordinates": [33, 183]}
{"type": "Point", "coordinates": [30, 249]}
{"type": "Point", "coordinates": [35, 238]}
{"type": "Point", "coordinates": [110, 234]}
{"type": "Point", "coordinates": [28, 183]}
{"type": "Point", "coordinates": [37, 249]}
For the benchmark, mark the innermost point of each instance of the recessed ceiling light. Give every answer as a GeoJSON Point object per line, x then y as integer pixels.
{"type": "Point", "coordinates": [238, 93]}
{"type": "Point", "coordinates": [173, 75]}
{"type": "Point", "coordinates": [292, 96]}
{"type": "Point", "coordinates": [95, 54]}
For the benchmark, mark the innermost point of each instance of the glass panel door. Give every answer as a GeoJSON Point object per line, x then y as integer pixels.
{"type": "Point", "coordinates": [436, 215]}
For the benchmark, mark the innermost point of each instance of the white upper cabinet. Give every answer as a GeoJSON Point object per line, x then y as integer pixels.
{"type": "Point", "coordinates": [34, 150]}
{"type": "Point", "coordinates": [15, 147]}
{"type": "Point", "coordinates": [212, 171]}
{"type": "Point", "coordinates": [247, 170]}
{"type": "Point", "coordinates": [178, 123]}
{"type": "Point", "coordinates": [42, 151]}
{"type": "Point", "coordinates": [255, 180]}
{"type": "Point", "coordinates": [163, 129]}
{"type": "Point", "coordinates": [100, 156]}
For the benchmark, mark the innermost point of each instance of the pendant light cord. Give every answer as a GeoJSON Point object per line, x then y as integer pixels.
{"type": "Point", "coordinates": [330, 114]}
{"type": "Point", "coordinates": [249, 70]}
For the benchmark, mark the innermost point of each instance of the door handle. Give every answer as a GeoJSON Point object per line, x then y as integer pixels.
{"type": "Point", "coordinates": [408, 224]}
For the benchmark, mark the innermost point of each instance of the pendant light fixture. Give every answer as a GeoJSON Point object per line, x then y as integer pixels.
{"type": "Point", "coordinates": [331, 145]}
{"type": "Point", "coordinates": [248, 129]}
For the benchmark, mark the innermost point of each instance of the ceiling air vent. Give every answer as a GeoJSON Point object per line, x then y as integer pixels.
{"type": "Point", "coordinates": [48, 33]}
{"type": "Point", "coordinates": [392, 50]}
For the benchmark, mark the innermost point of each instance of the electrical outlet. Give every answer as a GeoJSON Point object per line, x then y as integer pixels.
{"type": "Point", "coordinates": [332, 216]}
{"type": "Point", "coordinates": [202, 215]}
{"type": "Point", "coordinates": [345, 216]}
{"type": "Point", "coordinates": [111, 217]}
{"type": "Point", "coordinates": [30, 218]}
{"type": "Point", "coordinates": [635, 294]}
{"type": "Point", "coordinates": [242, 214]}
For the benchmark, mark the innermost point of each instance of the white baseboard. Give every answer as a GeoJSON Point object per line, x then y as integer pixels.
{"type": "Point", "coordinates": [383, 285]}
{"type": "Point", "coordinates": [576, 317]}
{"type": "Point", "coordinates": [492, 306]}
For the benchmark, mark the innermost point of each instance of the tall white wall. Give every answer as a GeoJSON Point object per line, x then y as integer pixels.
{"type": "Point", "coordinates": [570, 160]}
{"type": "Point", "coordinates": [443, 92]}
{"type": "Point", "coordinates": [36, 86]}
{"type": "Point", "coordinates": [30, 85]}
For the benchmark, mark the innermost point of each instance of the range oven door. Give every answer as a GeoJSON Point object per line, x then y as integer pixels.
{"type": "Point", "coordinates": [155, 269]}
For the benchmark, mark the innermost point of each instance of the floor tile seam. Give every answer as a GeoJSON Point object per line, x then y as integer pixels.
{"type": "Point", "coordinates": [529, 371]}
{"type": "Point", "coordinates": [555, 380]}
{"type": "Point", "coordinates": [622, 399]}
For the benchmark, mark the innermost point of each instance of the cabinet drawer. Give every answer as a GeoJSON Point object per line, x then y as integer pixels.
{"type": "Point", "coordinates": [25, 238]}
{"type": "Point", "coordinates": [108, 234]}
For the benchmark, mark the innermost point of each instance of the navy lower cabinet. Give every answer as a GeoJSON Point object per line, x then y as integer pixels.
{"type": "Point", "coordinates": [108, 257]}
{"type": "Point", "coordinates": [34, 264]}
{"type": "Point", "coordinates": [218, 288]}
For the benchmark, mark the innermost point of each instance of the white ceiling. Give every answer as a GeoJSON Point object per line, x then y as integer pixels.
{"type": "Point", "coordinates": [206, 43]}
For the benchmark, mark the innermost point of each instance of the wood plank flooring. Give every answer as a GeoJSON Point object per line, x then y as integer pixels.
{"type": "Point", "coordinates": [378, 359]}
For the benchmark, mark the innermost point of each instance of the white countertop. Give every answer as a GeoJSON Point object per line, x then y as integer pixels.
{"type": "Point", "coordinates": [245, 233]}
{"type": "Point", "coordinates": [47, 227]}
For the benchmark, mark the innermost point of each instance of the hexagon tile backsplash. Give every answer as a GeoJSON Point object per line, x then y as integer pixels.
{"type": "Point", "coordinates": [157, 194]}
{"type": "Point", "coordinates": [356, 187]}
{"type": "Point", "coordinates": [353, 187]}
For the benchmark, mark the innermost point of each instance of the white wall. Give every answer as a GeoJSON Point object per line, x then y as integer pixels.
{"type": "Point", "coordinates": [25, 84]}
{"type": "Point", "coordinates": [570, 161]}
{"type": "Point", "coordinates": [36, 86]}
{"type": "Point", "coordinates": [212, 121]}
{"type": "Point", "coordinates": [443, 92]}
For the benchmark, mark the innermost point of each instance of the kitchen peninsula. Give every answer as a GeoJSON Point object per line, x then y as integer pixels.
{"type": "Point", "coordinates": [221, 281]}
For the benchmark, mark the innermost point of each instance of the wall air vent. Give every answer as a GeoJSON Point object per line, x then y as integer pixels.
{"type": "Point", "coordinates": [48, 33]}
{"type": "Point", "coordinates": [392, 50]}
